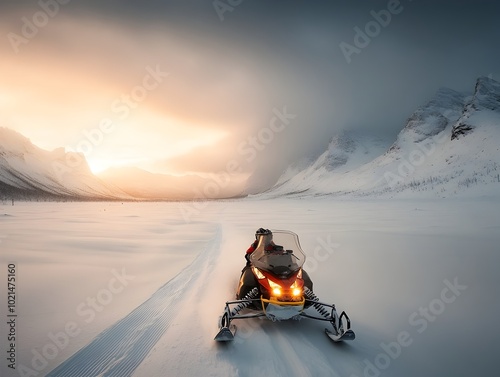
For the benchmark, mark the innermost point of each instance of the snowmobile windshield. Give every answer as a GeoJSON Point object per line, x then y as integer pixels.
{"type": "Point", "coordinates": [279, 253]}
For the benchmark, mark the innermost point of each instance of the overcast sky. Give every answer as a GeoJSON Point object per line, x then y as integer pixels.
{"type": "Point", "coordinates": [223, 74]}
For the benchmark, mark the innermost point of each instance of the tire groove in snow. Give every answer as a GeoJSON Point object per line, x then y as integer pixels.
{"type": "Point", "coordinates": [120, 349]}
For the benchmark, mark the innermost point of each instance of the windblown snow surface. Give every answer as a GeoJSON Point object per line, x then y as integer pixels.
{"type": "Point", "coordinates": [136, 289]}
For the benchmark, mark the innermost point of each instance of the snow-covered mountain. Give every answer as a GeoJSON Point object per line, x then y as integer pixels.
{"type": "Point", "coordinates": [448, 146]}
{"type": "Point", "coordinates": [27, 171]}
{"type": "Point", "coordinates": [346, 151]}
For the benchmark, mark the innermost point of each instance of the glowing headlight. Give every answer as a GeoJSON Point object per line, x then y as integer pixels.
{"type": "Point", "coordinates": [296, 291]}
{"type": "Point", "coordinates": [257, 273]}
{"type": "Point", "coordinates": [275, 287]}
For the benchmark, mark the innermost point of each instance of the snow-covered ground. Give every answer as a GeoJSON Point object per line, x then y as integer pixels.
{"type": "Point", "coordinates": [135, 289]}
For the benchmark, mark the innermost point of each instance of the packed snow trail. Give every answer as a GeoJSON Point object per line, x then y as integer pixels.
{"type": "Point", "coordinates": [416, 245]}
{"type": "Point", "coordinates": [121, 348]}
{"type": "Point", "coordinates": [261, 347]}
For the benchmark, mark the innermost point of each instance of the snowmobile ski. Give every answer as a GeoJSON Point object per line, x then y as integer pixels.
{"type": "Point", "coordinates": [347, 335]}
{"type": "Point", "coordinates": [226, 334]}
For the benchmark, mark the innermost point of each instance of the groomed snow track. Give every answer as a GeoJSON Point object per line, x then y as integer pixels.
{"type": "Point", "coordinates": [121, 348]}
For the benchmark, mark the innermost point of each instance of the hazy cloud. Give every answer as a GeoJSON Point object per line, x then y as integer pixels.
{"type": "Point", "coordinates": [229, 76]}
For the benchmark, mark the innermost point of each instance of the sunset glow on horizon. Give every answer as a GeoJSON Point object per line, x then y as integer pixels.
{"type": "Point", "coordinates": [183, 87]}
{"type": "Point", "coordinates": [119, 107]}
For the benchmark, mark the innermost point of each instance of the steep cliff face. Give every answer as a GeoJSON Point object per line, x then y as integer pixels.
{"type": "Point", "coordinates": [486, 98]}
{"type": "Point", "coordinates": [431, 119]}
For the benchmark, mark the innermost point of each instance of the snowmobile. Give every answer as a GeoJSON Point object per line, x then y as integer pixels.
{"type": "Point", "coordinates": [274, 285]}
